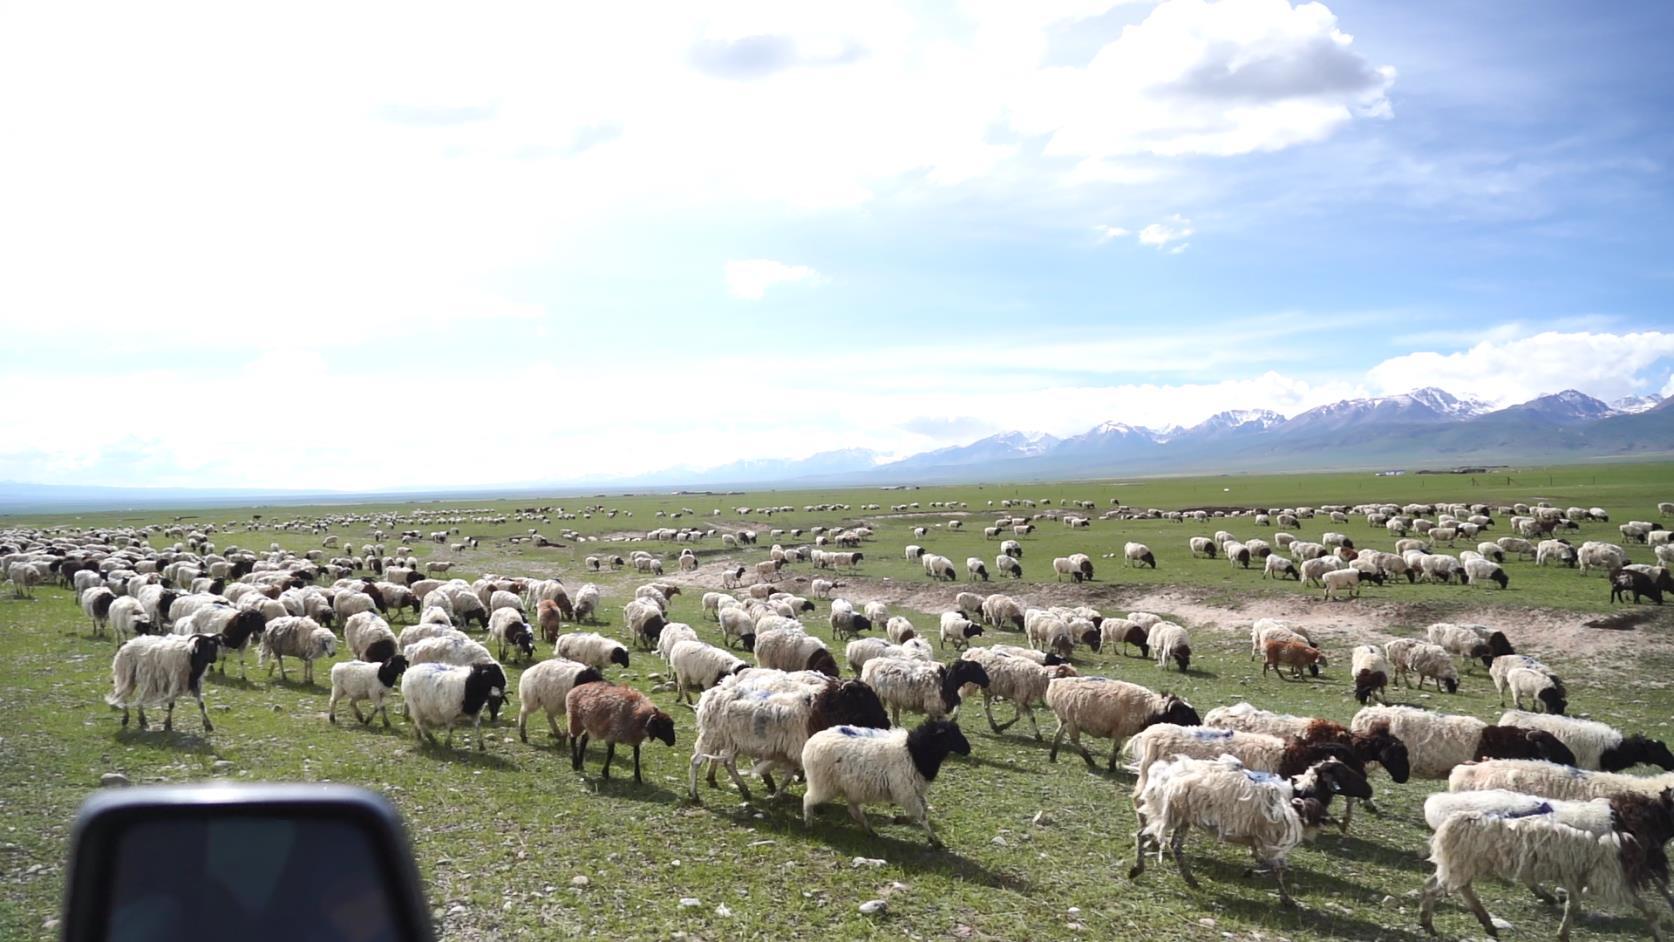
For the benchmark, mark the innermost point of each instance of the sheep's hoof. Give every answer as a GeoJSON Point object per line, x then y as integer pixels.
{"type": "Point", "coordinates": [1134, 872]}
{"type": "Point", "coordinates": [1287, 902]}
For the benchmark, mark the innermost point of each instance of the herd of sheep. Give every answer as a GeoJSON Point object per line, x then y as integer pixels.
{"type": "Point", "coordinates": [1537, 798]}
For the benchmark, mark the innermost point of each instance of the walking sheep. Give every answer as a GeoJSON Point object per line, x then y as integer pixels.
{"type": "Point", "coordinates": [1596, 745]}
{"type": "Point", "coordinates": [544, 687]}
{"type": "Point", "coordinates": [866, 766]}
{"type": "Point", "coordinates": [155, 670]}
{"type": "Point", "coordinates": [920, 686]}
{"type": "Point", "coordinates": [1437, 742]}
{"type": "Point", "coordinates": [439, 695]}
{"type": "Point", "coordinates": [615, 715]}
{"type": "Point", "coordinates": [299, 637]}
{"type": "Point", "coordinates": [365, 680]}
{"type": "Point", "coordinates": [1109, 709]}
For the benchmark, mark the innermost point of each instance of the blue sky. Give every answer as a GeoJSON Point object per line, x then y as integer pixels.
{"type": "Point", "coordinates": [405, 246]}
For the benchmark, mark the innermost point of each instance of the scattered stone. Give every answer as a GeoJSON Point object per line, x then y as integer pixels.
{"type": "Point", "coordinates": [724, 911]}
{"type": "Point", "coordinates": [998, 841]}
{"type": "Point", "coordinates": [1207, 922]}
{"type": "Point", "coordinates": [1042, 819]}
{"type": "Point", "coordinates": [580, 882]}
{"type": "Point", "coordinates": [221, 765]}
{"type": "Point", "coordinates": [687, 902]}
{"type": "Point", "coordinates": [872, 907]}
{"type": "Point", "coordinates": [866, 862]}
{"type": "Point", "coordinates": [114, 780]}
{"type": "Point", "coordinates": [1501, 924]}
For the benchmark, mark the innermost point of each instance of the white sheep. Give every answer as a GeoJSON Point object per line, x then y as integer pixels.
{"type": "Point", "coordinates": [128, 618]}
{"type": "Point", "coordinates": [363, 630]}
{"type": "Point", "coordinates": [355, 681]}
{"type": "Point", "coordinates": [1341, 581]}
{"type": "Point", "coordinates": [459, 651]}
{"type": "Point", "coordinates": [544, 686]}
{"type": "Point", "coordinates": [1247, 718]}
{"type": "Point", "coordinates": [155, 670]}
{"type": "Point", "coordinates": [957, 630]}
{"type": "Point", "coordinates": [864, 766]}
{"type": "Point", "coordinates": [861, 650]}
{"type": "Point", "coordinates": [1437, 742]}
{"type": "Point", "coordinates": [899, 629]}
{"type": "Point", "coordinates": [790, 648]}
{"type": "Point", "coordinates": [1258, 751]}
{"type": "Point", "coordinates": [1552, 780]}
{"type": "Point", "coordinates": [675, 633]}
{"type": "Point", "coordinates": [920, 686]}
{"type": "Point", "coordinates": [299, 637]}
{"type": "Point", "coordinates": [699, 666]}
{"type": "Point", "coordinates": [1109, 709]}
{"type": "Point", "coordinates": [594, 650]}
{"type": "Point", "coordinates": [439, 695]}
{"type": "Point", "coordinates": [1133, 554]}
{"type": "Point", "coordinates": [1169, 642]}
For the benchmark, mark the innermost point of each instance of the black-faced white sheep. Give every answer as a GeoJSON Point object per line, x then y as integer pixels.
{"type": "Point", "coordinates": [594, 650]}
{"type": "Point", "coordinates": [1018, 680]}
{"type": "Point", "coordinates": [155, 670]}
{"type": "Point", "coordinates": [1596, 745]}
{"type": "Point", "coordinates": [1109, 709]}
{"type": "Point", "coordinates": [1437, 742]}
{"type": "Point", "coordinates": [920, 686]}
{"type": "Point", "coordinates": [866, 766]}
{"type": "Point", "coordinates": [507, 627]}
{"type": "Point", "coordinates": [957, 630]}
{"type": "Point", "coordinates": [544, 687]}
{"type": "Point", "coordinates": [791, 649]}
{"type": "Point", "coordinates": [439, 695]}
{"type": "Point", "coordinates": [1135, 554]}
{"type": "Point", "coordinates": [372, 681]}
{"type": "Point", "coordinates": [299, 637]}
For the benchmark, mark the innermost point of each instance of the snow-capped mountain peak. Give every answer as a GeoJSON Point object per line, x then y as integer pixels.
{"type": "Point", "coordinates": [1448, 404]}
{"type": "Point", "coordinates": [1238, 419]}
{"type": "Point", "coordinates": [1633, 405]}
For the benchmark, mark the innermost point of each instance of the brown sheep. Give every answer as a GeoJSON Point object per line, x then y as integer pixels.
{"type": "Point", "coordinates": [550, 620]}
{"type": "Point", "coordinates": [1292, 654]}
{"type": "Point", "coordinates": [613, 714]}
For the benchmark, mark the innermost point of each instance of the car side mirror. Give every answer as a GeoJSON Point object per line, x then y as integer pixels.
{"type": "Point", "coordinates": [242, 862]}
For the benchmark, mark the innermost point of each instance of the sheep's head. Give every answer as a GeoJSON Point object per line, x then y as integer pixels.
{"type": "Point", "coordinates": [660, 726]}
{"type": "Point", "coordinates": [619, 656]}
{"type": "Point", "coordinates": [1178, 712]}
{"type": "Point", "coordinates": [1451, 683]}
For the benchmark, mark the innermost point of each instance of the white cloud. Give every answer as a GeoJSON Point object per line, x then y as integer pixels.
{"type": "Point", "coordinates": [1605, 365]}
{"type": "Point", "coordinates": [1668, 387]}
{"type": "Point", "coordinates": [1106, 233]}
{"type": "Point", "coordinates": [1176, 228]}
{"type": "Point", "coordinates": [749, 279]}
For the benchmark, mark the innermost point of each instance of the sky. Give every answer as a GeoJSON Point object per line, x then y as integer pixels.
{"type": "Point", "coordinates": [368, 246]}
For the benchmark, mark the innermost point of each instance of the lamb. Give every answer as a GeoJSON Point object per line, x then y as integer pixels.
{"type": "Point", "coordinates": [1019, 680]}
{"type": "Point", "coordinates": [768, 715]}
{"type": "Point", "coordinates": [737, 625]}
{"type": "Point", "coordinates": [1136, 553]}
{"type": "Point", "coordinates": [1109, 709]}
{"type": "Point", "coordinates": [1371, 671]}
{"type": "Point", "coordinates": [920, 686]}
{"type": "Point", "coordinates": [615, 715]}
{"type": "Point", "coordinates": [864, 766]}
{"type": "Point", "coordinates": [594, 650]}
{"type": "Point", "coordinates": [1268, 814]}
{"type": "Point", "coordinates": [549, 619]}
{"type": "Point", "coordinates": [1596, 745]}
{"type": "Point", "coordinates": [957, 630]}
{"type": "Point", "coordinates": [791, 649]}
{"type": "Point", "coordinates": [297, 636]}
{"type": "Point", "coordinates": [544, 687]}
{"type": "Point", "coordinates": [1273, 629]}
{"type": "Point", "coordinates": [439, 695]}
{"type": "Point", "coordinates": [1539, 687]}
{"type": "Point", "coordinates": [155, 670]}
{"type": "Point", "coordinates": [1170, 642]}
{"type": "Point", "coordinates": [699, 666]}
{"type": "Point", "coordinates": [128, 618]}
{"type": "Point", "coordinates": [643, 619]}
{"type": "Point", "coordinates": [365, 680]}
{"type": "Point", "coordinates": [1436, 742]}
{"type": "Point", "coordinates": [1542, 848]}
{"type": "Point", "coordinates": [1294, 655]}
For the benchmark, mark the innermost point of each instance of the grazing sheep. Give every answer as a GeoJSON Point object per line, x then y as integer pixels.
{"type": "Point", "coordinates": [737, 626]}
{"type": "Point", "coordinates": [976, 568]}
{"type": "Point", "coordinates": [95, 604]}
{"type": "Point", "coordinates": [1480, 571]}
{"type": "Point", "coordinates": [594, 650]}
{"type": "Point", "coordinates": [439, 695]}
{"type": "Point", "coordinates": [507, 627]}
{"type": "Point", "coordinates": [920, 686]}
{"type": "Point", "coordinates": [1262, 811]}
{"type": "Point", "coordinates": [544, 687]}
{"type": "Point", "coordinates": [1596, 555]}
{"type": "Point", "coordinates": [1012, 548]}
{"type": "Point", "coordinates": [699, 666]}
{"type": "Point", "coordinates": [957, 630]}
{"type": "Point", "coordinates": [549, 619]}
{"type": "Point", "coordinates": [1047, 632]}
{"type": "Point", "coordinates": [1294, 655]}
{"type": "Point", "coordinates": [1202, 546]}
{"type": "Point", "coordinates": [865, 766]}
{"type": "Point", "coordinates": [1135, 554]}
{"type": "Point", "coordinates": [1274, 629]}
{"type": "Point", "coordinates": [1436, 742]}
{"type": "Point", "coordinates": [792, 649]}
{"type": "Point", "coordinates": [1109, 709]}
{"type": "Point", "coordinates": [845, 621]}
{"type": "Point", "coordinates": [1428, 661]}
{"type": "Point", "coordinates": [615, 715]}
{"type": "Point", "coordinates": [1542, 848]}
{"type": "Point", "coordinates": [299, 637]}
{"type": "Point", "coordinates": [1370, 670]}
{"type": "Point", "coordinates": [1170, 642]}
{"type": "Point", "coordinates": [1539, 687]}
{"type": "Point", "coordinates": [155, 670]}
{"type": "Point", "coordinates": [899, 630]}
{"type": "Point", "coordinates": [939, 568]}
{"type": "Point", "coordinates": [1279, 567]}
{"type": "Point", "coordinates": [1470, 641]}
{"type": "Point", "coordinates": [1596, 745]}
{"type": "Point", "coordinates": [1003, 612]}
{"type": "Point", "coordinates": [643, 620]}
{"type": "Point", "coordinates": [365, 680]}
{"type": "Point", "coordinates": [1340, 581]}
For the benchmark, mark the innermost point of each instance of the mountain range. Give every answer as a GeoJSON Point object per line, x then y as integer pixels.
{"type": "Point", "coordinates": [1425, 428]}
{"type": "Point", "coordinates": [1422, 428]}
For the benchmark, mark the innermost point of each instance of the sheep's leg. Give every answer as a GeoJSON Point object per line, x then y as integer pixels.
{"type": "Point", "coordinates": [610, 753]}
{"type": "Point", "coordinates": [1348, 814]}
{"type": "Point", "coordinates": [1644, 908]}
{"type": "Point", "coordinates": [859, 814]}
{"type": "Point", "coordinates": [523, 721]}
{"type": "Point", "coordinates": [552, 724]}
{"type": "Point", "coordinates": [1541, 894]}
{"type": "Point", "coordinates": [637, 779]}
{"type": "Point", "coordinates": [1139, 844]}
{"type": "Point", "coordinates": [125, 718]}
{"type": "Point", "coordinates": [1468, 892]}
{"type": "Point", "coordinates": [355, 706]}
{"type": "Point", "coordinates": [203, 712]}
{"type": "Point", "coordinates": [1176, 849]}
{"type": "Point", "coordinates": [1284, 894]}
{"type": "Point", "coordinates": [988, 710]}
{"type": "Point", "coordinates": [1029, 711]}
{"type": "Point", "coordinates": [168, 718]}
{"type": "Point", "coordinates": [383, 708]}
{"type": "Point", "coordinates": [578, 750]}
{"type": "Point", "coordinates": [1427, 904]}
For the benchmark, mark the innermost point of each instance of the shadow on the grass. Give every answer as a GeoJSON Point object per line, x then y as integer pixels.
{"type": "Point", "coordinates": [168, 741]}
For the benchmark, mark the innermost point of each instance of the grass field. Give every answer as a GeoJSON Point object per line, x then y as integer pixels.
{"type": "Point", "coordinates": [502, 836]}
